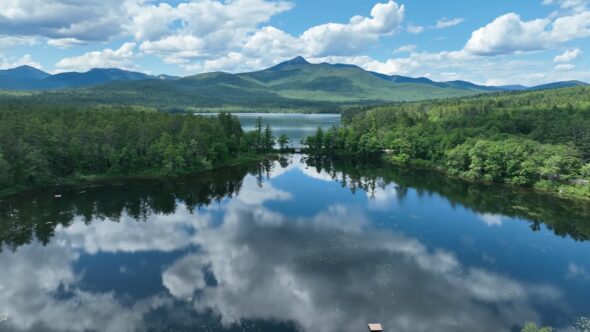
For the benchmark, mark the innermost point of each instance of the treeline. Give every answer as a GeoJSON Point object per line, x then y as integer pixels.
{"type": "Point", "coordinates": [539, 139]}
{"type": "Point", "coordinates": [42, 146]}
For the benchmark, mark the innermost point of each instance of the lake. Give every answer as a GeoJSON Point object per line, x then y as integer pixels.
{"type": "Point", "coordinates": [296, 126]}
{"type": "Point", "coordinates": [293, 245]}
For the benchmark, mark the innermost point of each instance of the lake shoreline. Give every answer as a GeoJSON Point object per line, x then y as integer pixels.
{"type": "Point", "coordinates": [549, 190]}
{"type": "Point", "coordinates": [97, 179]}
{"type": "Point", "coordinates": [412, 165]}
{"type": "Point", "coordinates": [244, 160]}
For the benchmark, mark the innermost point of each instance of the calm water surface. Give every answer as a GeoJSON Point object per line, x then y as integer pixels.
{"type": "Point", "coordinates": [292, 245]}
{"type": "Point", "coordinates": [295, 126]}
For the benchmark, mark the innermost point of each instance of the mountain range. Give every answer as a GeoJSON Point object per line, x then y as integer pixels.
{"type": "Point", "coordinates": [293, 83]}
{"type": "Point", "coordinates": [29, 78]}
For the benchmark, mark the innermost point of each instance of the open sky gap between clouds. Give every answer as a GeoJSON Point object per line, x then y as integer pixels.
{"type": "Point", "coordinates": [234, 36]}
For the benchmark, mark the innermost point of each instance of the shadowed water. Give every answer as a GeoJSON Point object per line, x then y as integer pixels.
{"type": "Point", "coordinates": [292, 245]}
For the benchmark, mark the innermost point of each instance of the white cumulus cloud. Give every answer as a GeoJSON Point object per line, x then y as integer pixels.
{"type": "Point", "coordinates": [406, 48]}
{"type": "Point", "coordinates": [64, 42]}
{"type": "Point", "coordinates": [565, 67]}
{"type": "Point", "coordinates": [509, 34]}
{"type": "Point", "coordinates": [7, 42]}
{"type": "Point", "coordinates": [571, 27]}
{"type": "Point", "coordinates": [345, 39]}
{"type": "Point", "coordinates": [573, 5]}
{"type": "Point", "coordinates": [568, 55]}
{"type": "Point", "coordinates": [27, 59]}
{"type": "Point", "coordinates": [202, 30]}
{"type": "Point", "coordinates": [108, 58]}
{"type": "Point", "coordinates": [224, 48]}
{"type": "Point", "coordinates": [90, 20]}
{"type": "Point", "coordinates": [446, 22]}
{"type": "Point", "coordinates": [415, 29]}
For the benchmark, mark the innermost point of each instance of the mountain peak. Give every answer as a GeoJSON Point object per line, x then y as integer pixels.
{"type": "Point", "coordinates": [26, 72]}
{"type": "Point", "coordinates": [25, 67]}
{"type": "Point", "coordinates": [297, 61]}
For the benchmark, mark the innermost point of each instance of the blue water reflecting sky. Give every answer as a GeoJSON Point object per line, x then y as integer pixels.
{"type": "Point", "coordinates": [296, 251]}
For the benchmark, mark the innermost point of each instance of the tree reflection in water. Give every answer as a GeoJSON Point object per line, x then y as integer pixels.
{"type": "Point", "coordinates": [212, 252]}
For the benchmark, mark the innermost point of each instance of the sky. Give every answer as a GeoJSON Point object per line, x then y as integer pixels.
{"type": "Point", "coordinates": [495, 42]}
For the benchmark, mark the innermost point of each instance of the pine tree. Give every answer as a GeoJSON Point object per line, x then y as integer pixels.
{"type": "Point", "coordinates": [283, 141]}
{"type": "Point", "coordinates": [269, 140]}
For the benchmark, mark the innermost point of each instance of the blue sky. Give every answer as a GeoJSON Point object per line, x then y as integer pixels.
{"type": "Point", "coordinates": [490, 42]}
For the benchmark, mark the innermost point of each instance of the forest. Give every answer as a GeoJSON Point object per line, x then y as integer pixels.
{"type": "Point", "coordinates": [534, 139]}
{"type": "Point", "coordinates": [43, 146]}
{"type": "Point", "coordinates": [537, 139]}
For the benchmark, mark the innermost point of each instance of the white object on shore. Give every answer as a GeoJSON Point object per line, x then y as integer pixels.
{"type": "Point", "coordinates": [374, 327]}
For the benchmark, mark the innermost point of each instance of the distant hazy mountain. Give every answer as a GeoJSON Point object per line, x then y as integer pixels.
{"type": "Point", "coordinates": [516, 87]}
{"type": "Point", "coordinates": [25, 72]}
{"type": "Point", "coordinates": [23, 77]}
{"type": "Point", "coordinates": [92, 77]}
{"type": "Point", "coordinates": [451, 84]}
{"type": "Point", "coordinates": [291, 84]}
{"type": "Point", "coordinates": [558, 85]}
{"type": "Point", "coordinates": [29, 78]}
{"type": "Point", "coordinates": [404, 79]}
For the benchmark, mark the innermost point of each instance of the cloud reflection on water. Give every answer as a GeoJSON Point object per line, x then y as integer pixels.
{"type": "Point", "coordinates": [321, 274]}
{"type": "Point", "coordinates": [333, 270]}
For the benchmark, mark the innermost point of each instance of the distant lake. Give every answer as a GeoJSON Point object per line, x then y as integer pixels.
{"type": "Point", "coordinates": [296, 126]}
{"type": "Point", "coordinates": [293, 245]}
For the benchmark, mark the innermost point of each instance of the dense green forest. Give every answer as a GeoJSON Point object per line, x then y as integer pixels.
{"type": "Point", "coordinates": [537, 139]}
{"type": "Point", "coordinates": [43, 146]}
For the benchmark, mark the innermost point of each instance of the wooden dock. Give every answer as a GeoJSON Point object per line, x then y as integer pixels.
{"type": "Point", "coordinates": [375, 327]}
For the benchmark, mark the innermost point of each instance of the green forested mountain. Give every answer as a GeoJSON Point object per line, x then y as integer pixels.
{"type": "Point", "coordinates": [539, 138]}
{"type": "Point", "coordinates": [298, 79]}
{"type": "Point", "coordinates": [292, 85]}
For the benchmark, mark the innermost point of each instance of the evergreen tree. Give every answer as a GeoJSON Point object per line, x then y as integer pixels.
{"type": "Point", "coordinates": [259, 135]}
{"type": "Point", "coordinates": [319, 139]}
{"type": "Point", "coordinates": [269, 140]}
{"type": "Point", "coordinates": [5, 172]}
{"type": "Point", "coordinates": [283, 141]}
